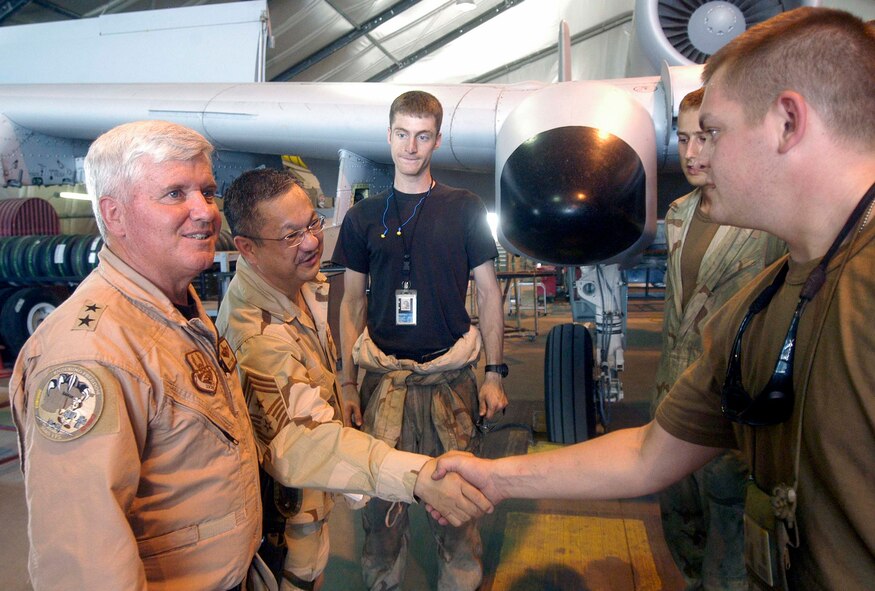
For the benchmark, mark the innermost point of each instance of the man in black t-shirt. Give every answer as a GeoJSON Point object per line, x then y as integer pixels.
{"type": "Point", "coordinates": [415, 247]}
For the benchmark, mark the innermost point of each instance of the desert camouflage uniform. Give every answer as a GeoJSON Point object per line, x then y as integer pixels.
{"type": "Point", "coordinates": [702, 514]}
{"type": "Point", "coordinates": [428, 408]}
{"type": "Point", "coordinates": [139, 463]}
{"type": "Point", "coordinates": [287, 360]}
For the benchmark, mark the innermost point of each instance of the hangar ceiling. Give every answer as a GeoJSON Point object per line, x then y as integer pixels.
{"type": "Point", "coordinates": [419, 41]}
{"type": "Point", "coordinates": [380, 40]}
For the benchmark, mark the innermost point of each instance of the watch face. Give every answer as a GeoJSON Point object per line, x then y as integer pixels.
{"type": "Point", "coordinates": [500, 369]}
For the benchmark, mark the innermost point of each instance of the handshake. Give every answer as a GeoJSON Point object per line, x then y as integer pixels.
{"type": "Point", "coordinates": [456, 488]}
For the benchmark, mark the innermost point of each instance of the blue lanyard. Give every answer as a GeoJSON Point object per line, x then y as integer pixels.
{"type": "Point", "coordinates": [405, 265]}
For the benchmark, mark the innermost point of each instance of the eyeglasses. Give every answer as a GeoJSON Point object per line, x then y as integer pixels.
{"type": "Point", "coordinates": [774, 404]}
{"type": "Point", "coordinates": [295, 238]}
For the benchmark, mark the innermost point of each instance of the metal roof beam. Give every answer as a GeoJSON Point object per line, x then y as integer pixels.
{"type": "Point", "coordinates": [611, 23]}
{"type": "Point", "coordinates": [341, 42]}
{"type": "Point", "coordinates": [440, 42]}
{"type": "Point", "coordinates": [57, 9]}
{"type": "Point", "coordinates": [10, 7]}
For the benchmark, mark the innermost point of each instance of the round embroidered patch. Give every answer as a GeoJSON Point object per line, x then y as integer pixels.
{"type": "Point", "coordinates": [68, 403]}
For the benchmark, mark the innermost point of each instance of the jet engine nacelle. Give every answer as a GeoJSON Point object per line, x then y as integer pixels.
{"type": "Point", "coordinates": [575, 169]}
{"type": "Point", "coordinates": [686, 32]}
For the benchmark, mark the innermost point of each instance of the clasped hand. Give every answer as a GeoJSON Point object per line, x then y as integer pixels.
{"type": "Point", "coordinates": [449, 499]}
{"type": "Point", "coordinates": [475, 471]}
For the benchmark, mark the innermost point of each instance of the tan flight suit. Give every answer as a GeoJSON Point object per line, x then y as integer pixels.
{"type": "Point", "coordinates": [287, 361]}
{"type": "Point", "coordinates": [139, 463]}
{"type": "Point", "coordinates": [701, 514]}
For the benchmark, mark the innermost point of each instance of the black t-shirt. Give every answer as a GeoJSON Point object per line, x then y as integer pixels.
{"type": "Point", "coordinates": [450, 238]}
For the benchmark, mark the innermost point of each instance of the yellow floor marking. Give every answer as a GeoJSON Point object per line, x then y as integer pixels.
{"type": "Point", "coordinates": [542, 446]}
{"type": "Point", "coordinates": [574, 553]}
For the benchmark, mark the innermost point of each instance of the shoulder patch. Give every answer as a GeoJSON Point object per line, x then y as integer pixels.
{"type": "Point", "coordinates": [68, 403]}
{"type": "Point", "coordinates": [88, 316]}
{"type": "Point", "coordinates": [203, 375]}
{"type": "Point", "coordinates": [227, 359]}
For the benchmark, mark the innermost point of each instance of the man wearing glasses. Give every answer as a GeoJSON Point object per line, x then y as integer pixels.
{"type": "Point", "coordinates": [274, 316]}
{"type": "Point", "coordinates": [788, 372]}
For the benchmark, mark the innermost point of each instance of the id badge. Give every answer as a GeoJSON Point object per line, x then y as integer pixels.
{"type": "Point", "coordinates": [760, 549]}
{"type": "Point", "coordinates": [405, 307]}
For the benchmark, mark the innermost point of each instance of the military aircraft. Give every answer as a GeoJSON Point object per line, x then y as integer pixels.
{"type": "Point", "coordinates": [573, 164]}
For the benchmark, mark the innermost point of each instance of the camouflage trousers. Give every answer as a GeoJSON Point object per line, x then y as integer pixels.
{"type": "Point", "coordinates": [307, 556]}
{"type": "Point", "coordinates": [386, 524]}
{"type": "Point", "coordinates": [702, 521]}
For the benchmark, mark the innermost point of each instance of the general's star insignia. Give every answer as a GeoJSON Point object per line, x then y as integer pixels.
{"type": "Point", "coordinates": [89, 316]}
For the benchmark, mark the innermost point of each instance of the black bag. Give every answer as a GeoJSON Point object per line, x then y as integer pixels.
{"type": "Point", "coordinates": [278, 503]}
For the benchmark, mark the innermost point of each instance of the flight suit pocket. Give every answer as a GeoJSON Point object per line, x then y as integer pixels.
{"type": "Point", "coordinates": [167, 542]}
{"type": "Point", "coordinates": [188, 536]}
{"type": "Point", "coordinates": [219, 419]}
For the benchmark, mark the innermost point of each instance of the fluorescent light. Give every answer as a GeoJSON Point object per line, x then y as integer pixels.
{"type": "Point", "coordinates": [466, 5]}
{"type": "Point", "coordinates": [71, 195]}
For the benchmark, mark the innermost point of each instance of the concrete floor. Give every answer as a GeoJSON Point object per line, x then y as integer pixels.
{"type": "Point", "coordinates": [525, 389]}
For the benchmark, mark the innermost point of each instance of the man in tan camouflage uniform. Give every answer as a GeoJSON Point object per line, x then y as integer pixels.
{"type": "Point", "coordinates": [140, 467]}
{"type": "Point", "coordinates": [139, 464]}
{"type": "Point", "coordinates": [274, 316]}
{"type": "Point", "coordinates": [707, 264]}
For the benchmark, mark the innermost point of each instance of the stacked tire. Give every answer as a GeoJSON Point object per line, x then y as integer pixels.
{"type": "Point", "coordinates": [48, 259]}
{"type": "Point", "coordinates": [29, 266]}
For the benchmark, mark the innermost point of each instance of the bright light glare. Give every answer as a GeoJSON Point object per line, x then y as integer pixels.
{"type": "Point", "coordinates": [79, 196]}
{"type": "Point", "coordinates": [492, 220]}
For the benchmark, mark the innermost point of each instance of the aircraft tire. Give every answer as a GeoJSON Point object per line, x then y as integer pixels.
{"type": "Point", "coordinates": [51, 263]}
{"type": "Point", "coordinates": [18, 256]}
{"type": "Point", "coordinates": [83, 254]}
{"type": "Point", "coordinates": [569, 388]}
{"type": "Point", "coordinates": [33, 255]}
{"type": "Point", "coordinates": [64, 252]}
{"type": "Point", "coordinates": [4, 245]}
{"type": "Point", "coordinates": [23, 312]}
{"type": "Point", "coordinates": [5, 293]}
{"type": "Point", "coordinates": [8, 251]}
{"type": "Point", "coordinates": [88, 258]}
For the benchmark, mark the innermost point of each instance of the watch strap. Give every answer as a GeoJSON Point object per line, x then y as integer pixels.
{"type": "Point", "coordinates": [499, 368]}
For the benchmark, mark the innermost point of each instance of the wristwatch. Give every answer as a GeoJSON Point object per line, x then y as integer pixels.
{"type": "Point", "coordinates": [500, 369]}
